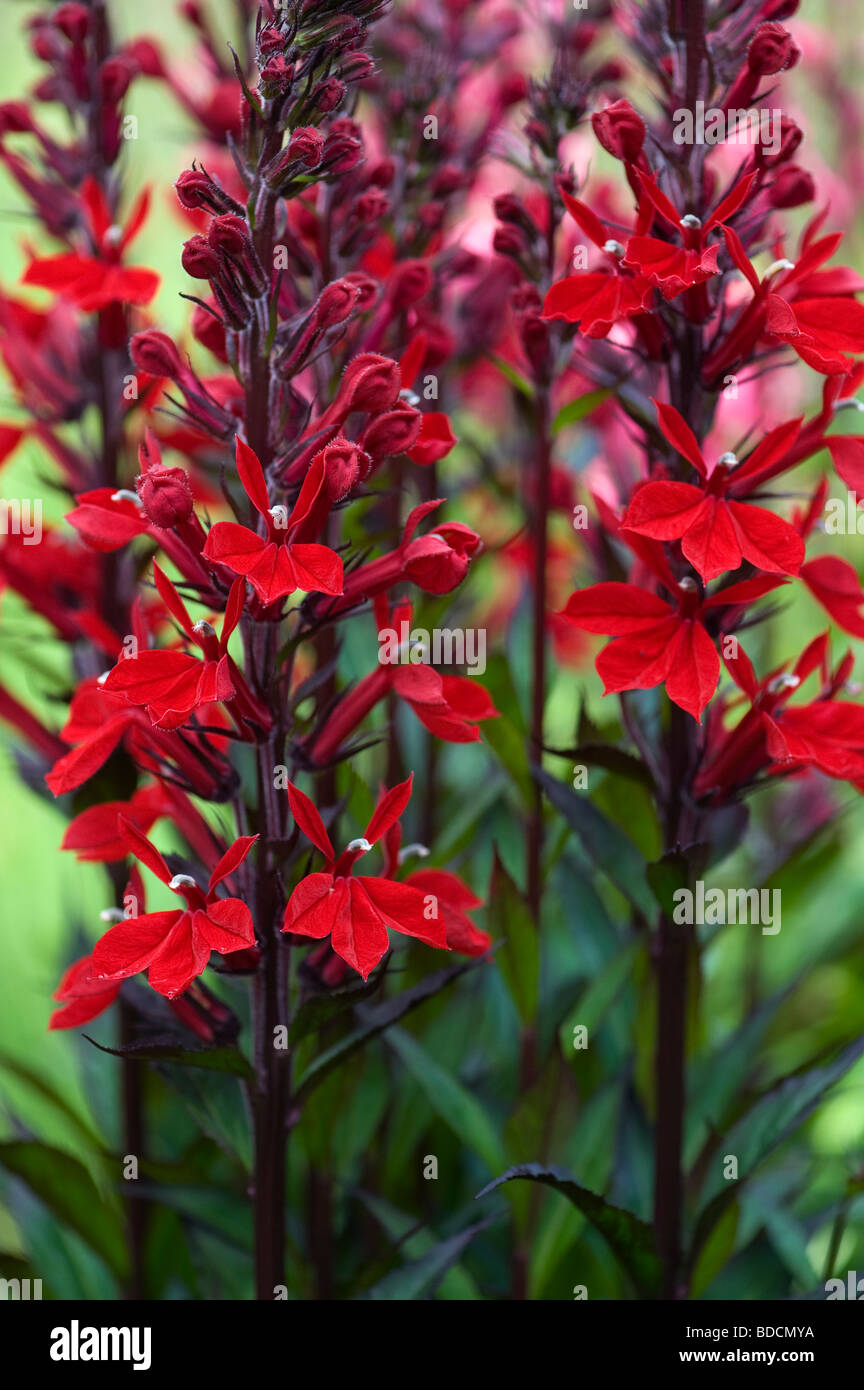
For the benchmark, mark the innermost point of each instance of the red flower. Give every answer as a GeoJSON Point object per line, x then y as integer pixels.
{"type": "Point", "coordinates": [84, 994]}
{"type": "Point", "coordinates": [172, 685]}
{"type": "Point", "coordinates": [356, 913]}
{"type": "Point", "coordinates": [717, 532]}
{"type": "Point", "coordinates": [95, 281]}
{"type": "Point", "coordinates": [450, 707]}
{"type": "Point", "coordinates": [174, 947]}
{"type": "Point", "coordinates": [657, 643]}
{"type": "Point", "coordinates": [273, 564]}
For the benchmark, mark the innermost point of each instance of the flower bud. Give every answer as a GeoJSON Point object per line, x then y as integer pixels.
{"type": "Point", "coordinates": [328, 95]}
{"type": "Point", "coordinates": [209, 332]}
{"type": "Point", "coordinates": [409, 282]}
{"type": "Point", "coordinates": [335, 304]}
{"type": "Point", "coordinates": [792, 187]}
{"type": "Point", "coordinates": [345, 465]}
{"type": "Point", "coordinates": [342, 153]}
{"type": "Point", "coordinates": [115, 75]}
{"type": "Point", "coordinates": [370, 383]}
{"type": "Point", "coordinates": [165, 495]}
{"type": "Point", "coordinates": [772, 49]}
{"type": "Point", "coordinates": [14, 118]}
{"type": "Point", "coordinates": [73, 21]}
{"type": "Point", "coordinates": [371, 206]}
{"type": "Point", "coordinates": [366, 287]}
{"type": "Point", "coordinates": [229, 234]}
{"type": "Point", "coordinates": [199, 259]}
{"type": "Point", "coordinates": [154, 353]}
{"type": "Point", "coordinates": [356, 67]}
{"type": "Point", "coordinates": [393, 432]}
{"type": "Point", "coordinates": [620, 130]}
{"type": "Point", "coordinates": [144, 53]}
{"type": "Point", "coordinates": [306, 145]}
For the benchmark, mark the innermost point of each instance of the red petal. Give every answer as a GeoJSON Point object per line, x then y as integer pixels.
{"type": "Point", "coordinates": [309, 821]}
{"type": "Point", "coordinates": [615, 609]}
{"type": "Point", "coordinates": [251, 475]}
{"type": "Point", "coordinates": [664, 510]}
{"type": "Point", "coordinates": [767, 541]}
{"type": "Point", "coordinates": [389, 810]}
{"type": "Point", "coordinates": [675, 429]}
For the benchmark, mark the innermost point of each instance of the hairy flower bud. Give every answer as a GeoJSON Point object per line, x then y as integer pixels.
{"type": "Point", "coordinates": [306, 145]}
{"type": "Point", "coordinates": [772, 49]}
{"type": "Point", "coordinates": [345, 465]}
{"type": "Point", "coordinates": [394, 432]}
{"type": "Point", "coordinates": [165, 495]}
{"type": "Point", "coordinates": [335, 303]}
{"type": "Point", "coordinates": [792, 187]}
{"type": "Point", "coordinates": [409, 282]}
{"type": "Point", "coordinates": [620, 130]}
{"type": "Point", "coordinates": [154, 353]}
{"type": "Point", "coordinates": [229, 234]}
{"type": "Point", "coordinates": [328, 95]}
{"type": "Point", "coordinates": [199, 259]}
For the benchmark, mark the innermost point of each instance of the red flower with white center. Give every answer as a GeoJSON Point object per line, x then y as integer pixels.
{"type": "Point", "coordinates": [450, 707]}
{"type": "Point", "coordinates": [436, 438]}
{"type": "Point", "coordinates": [174, 947]}
{"type": "Point", "coordinates": [93, 282]}
{"type": "Point", "coordinates": [717, 532]}
{"type": "Point", "coordinates": [274, 565]}
{"type": "Point", "coordinates": [172, 685]}
{"type": "Point", "coordinates": [454, 898]}
{"type": "Point", "coordinates": [356, 913]}
{"type": "Point", "coordinates": [656, 642]}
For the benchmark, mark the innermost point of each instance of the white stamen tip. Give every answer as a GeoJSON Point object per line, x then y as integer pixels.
{"type": "Point", "coordinates": [112, 914]}
{"type": "Point", "coordinates": [124, 494]}
{"type": "Point", "coordinates": [849, 403]}
{"type": "Point", "coordinates": [410, 396]}
{"type": "Point", "coordinates": [361, 844]}
{"type": "Point", "coordinates": [776, 266]}
{"type": "Point", "coordinates": [280, 516]}
{"type": "Point", "coordinates": [613, 248]}
{"type": "Point", "coordinates": [784, 682]}
{"type": "Point", "coordinates": [100, 680]}
{"type": "Point", "coordinates": [687, 585]}
{"type": "Point", "coordinates": [182, 881]}
{"type": "Point", "coordinates": [409, 851]}
{"type": "Point", "coordinates": [729, 459]}
{"type": "Point", "coordinates": [204, 628]}
{"type": "Point", "coordinates": [691, 221]}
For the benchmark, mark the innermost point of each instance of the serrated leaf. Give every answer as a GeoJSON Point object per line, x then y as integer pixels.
{"type": "Point", "coordinates": [629, 1239]}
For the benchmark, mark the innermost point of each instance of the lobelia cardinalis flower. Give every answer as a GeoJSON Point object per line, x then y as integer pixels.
{"type": "Point", "coordinates": [275, 564]}
{"type": "Point", "coordinates": [775, 736]}
{"type": "Point", "coordinates": [450, 707]}
{"type": "Point", "coordinates": [717, 532]}
{"type": "Point", "coordinates": [173, 685]}
{"type": "Point", "coordinates": [95, 281]}
{"type": "Point", "coordinates": [175, 946]}
{"type": "Point", "coordinates": [656, 642]}
{"type": "Point", "coordinates": [357, 913]}
{"type": "Point", "coordinates": [453, 897]}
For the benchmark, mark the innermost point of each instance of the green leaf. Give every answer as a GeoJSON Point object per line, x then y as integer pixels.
{"type": "Point", "coordinates": [773, 1117]}
{"type": "Point", "coordinates": [508, 745]}
{"type": "Point", "coordinates": [320, 1009]}
{"type": "Point", "coordinates": [600, 995]}
{"type": "Point", "coordinates": [421, 1277]}
{"type": "Point", "coordinates": [66, 1188]}
{"type": "Point", "coordinates": [522, 385]}
{"type": "Point", "coordinates": [375, 1021]}
{"type": "Point", "coordinates": [228, 1060]}
{"type": "Point", "coordinates": [575, 411]}
{"type": "Point", "coordinates": [518, 953]}
{"type": "Point", "coordinates": [630, 1240]}
{"type": "Point", "coordinates": [450, 1099]}
{"type": "Point", "coordinates": [676, 870]}
{"type": "Point", "coordinates": [715, 1252]}
{"type": "Point", "coordinates": [44, 1088]}
{"type": "Point", "coordinates": [613, 852]}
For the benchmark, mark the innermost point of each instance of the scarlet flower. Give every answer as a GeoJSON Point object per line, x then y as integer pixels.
{"type": "Point", "coordinates": [716, 531]}
{"type": "Point", "coordinates": [274, 564]}
{"type": "Point", "coordinates": [174, 947]}
{"type": "Point", "coordinates": [826, 734]}
{"type": "Point", "coordinates": [92, 282]}
{"type": "Point", "coordinates": [172, 685]}
{"type": "Point", "coordinates": [356, 913]}
{"type": "Point", "coordinates": [450, 707]}
{"type": "Point", "coordinates": [656, 642]}
{"type": "Point", "coordinates": [84, 994]}
{"type": "Point", "coordinates": [94, 835]}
